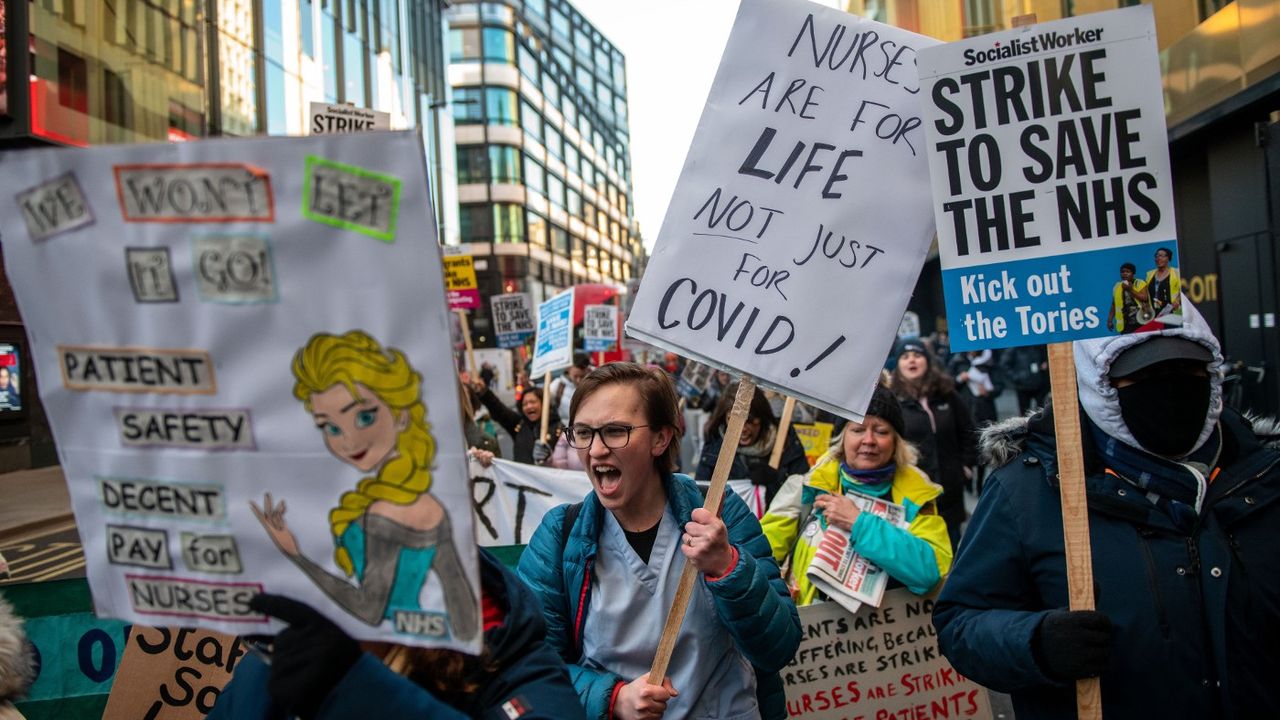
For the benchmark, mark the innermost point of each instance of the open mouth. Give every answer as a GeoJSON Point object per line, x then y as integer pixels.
{"type": "Point", "coordinates": [608, 479]}
{"type": "Point", "coordinates": [360, 455]}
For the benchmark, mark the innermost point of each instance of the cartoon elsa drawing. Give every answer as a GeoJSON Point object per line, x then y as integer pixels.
{"type": "Point", "coordinates": [389, 532]}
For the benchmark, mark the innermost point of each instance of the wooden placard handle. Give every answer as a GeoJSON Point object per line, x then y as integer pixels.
{"type": "Point", "coordinates": [472, 370]}
{"type": "Point", "coordinates": [546, 406]}
{"type": "Point", "coordinates": [719, 478]}
{"type": "Point", "coordinates": [1075, 509]}
{"type": "Point", "coordinates": [784, 424]}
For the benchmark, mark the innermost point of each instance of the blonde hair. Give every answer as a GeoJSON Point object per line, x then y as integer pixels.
{"type": "Point", "coordinates": [904, 453]}
{"type": "Point", "coordinates": [329, 360]}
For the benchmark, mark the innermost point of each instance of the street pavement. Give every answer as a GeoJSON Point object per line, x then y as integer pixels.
{"type": "Point", "coordinates": [38, 538]}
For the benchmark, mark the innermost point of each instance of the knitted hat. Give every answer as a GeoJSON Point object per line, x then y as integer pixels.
{"type": "Point", "coordinates": [912, 345]}
{"type": "Point", "coordinates": [885, 406]}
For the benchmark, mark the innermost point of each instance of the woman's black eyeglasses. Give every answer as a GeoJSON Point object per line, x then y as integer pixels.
{"type": "Point", "coordinates": [614, 437]}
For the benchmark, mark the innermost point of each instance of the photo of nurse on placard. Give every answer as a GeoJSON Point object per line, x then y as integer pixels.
{"type": "Point", "coordinates": [1144, 304]}
{"type": "Point", "coordinates": [389, 533]}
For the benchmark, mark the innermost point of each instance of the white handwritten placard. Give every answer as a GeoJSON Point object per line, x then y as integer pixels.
{"type": "Point", "coordinates": [1051, 182]}
{"type": "Point", "coordinates": [801, 219]}
{"type": "Point", "coordinates": [231, 354]}
{"type": "Point", "coordinates": [879, 664]}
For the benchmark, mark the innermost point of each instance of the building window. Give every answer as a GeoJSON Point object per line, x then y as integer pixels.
{"type": "Point", "coordinates": [573, 202]}
{"type": "Point", "coordinates": [572, 159]}
{"type": "Point", "coordinates": [537, 7]}
{"type": "Point", "coordinates": [73, 81]}
{"type": "Point", "coordinates": [569, 110]}
{"type": "Point", "coordinates": [499, 46]}
{"type": "Point", "coordinates": [464, 44]}
{"type": "Point", "coordinates": [559, 241]}
{"type": "Point", "coordinates": [528, 63]}
{"type": "Point", "coordinates": [467, 109]}
{"type": "Point", "coordinates": [555, 190]}
{"type": "Point", "coordinates": [475, 223]}
{"type": "Point", "coordinates": [532, 122]}
{"type": "Point", "coordinates": [537, 230]}
{"type": "Point", "coordinates": [585, 81]}
{"type": "Point", "coordinates": [504, 164]}
{"type": "Point", "coordinates": [582, 41]}
{"type": "Point", "coordinates": [535, 178]}
{"type": "Point", "coordinates": [500, 106]}
{"type": "Point", "coordinates": [508, 223]}
{"type": "Point", "coordinates": [560, 24]}
{"type": "Point", "coordinates": [550, 89]}
{"type": "Point", "coordinates": [473, 164]}
{"type": "Point", "coordinates": [554, 141]}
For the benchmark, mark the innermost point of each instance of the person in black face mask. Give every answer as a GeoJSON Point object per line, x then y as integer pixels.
{"type": "Point", "coordinates": [1184, 523]}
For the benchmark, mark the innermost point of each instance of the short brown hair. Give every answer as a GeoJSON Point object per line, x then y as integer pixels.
{"type": "Point", "coordinates": [657, 393]}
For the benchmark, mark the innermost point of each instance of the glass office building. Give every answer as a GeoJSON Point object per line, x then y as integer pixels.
{"type": "Point", "coordinates": [543, 161]}
{"type": "Point", "coordinates": [143, 70]}
{"type": "Point", "coordinates": [85, 72]}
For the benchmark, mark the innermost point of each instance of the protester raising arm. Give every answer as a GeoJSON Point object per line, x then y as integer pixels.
{"type": "Point", "coordinates": [641, 524]}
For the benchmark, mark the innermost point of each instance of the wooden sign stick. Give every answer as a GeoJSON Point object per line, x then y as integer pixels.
{"type": "Point", "coordinates": [719, 478]}
{"type": "Point", "coordinates": [784, 424]}
{"type": "Point", "coordinates": [1075, 509]}
{"type": "Point", "coordinates": [466, 338]}
{"type": "Point", "coordinates": [546, 406]}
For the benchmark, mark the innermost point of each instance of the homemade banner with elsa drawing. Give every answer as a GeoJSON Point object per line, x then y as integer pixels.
{"type": "Point", "coordinates": [243, 348]}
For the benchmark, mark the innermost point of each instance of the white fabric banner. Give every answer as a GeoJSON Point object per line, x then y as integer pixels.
{"type": "Point", "coordinates": [228, 329]}
{"type": "Point", "coordinates": [802, 216]}
{"type": "Point", "coordinates": [510, 498]}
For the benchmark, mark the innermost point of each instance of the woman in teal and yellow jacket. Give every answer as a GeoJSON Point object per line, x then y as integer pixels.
{"type": "Point", "coordinates": [869, 459]}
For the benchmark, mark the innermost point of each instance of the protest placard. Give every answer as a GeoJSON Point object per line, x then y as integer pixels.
{"type": "Point", "coordinates": [878, 664]}
{"type": "Point", "coordinates": [801, 218]}
{"type": "Point", "coordinates": [460, 282]}
{"type": "Point", "coordinates": [815, 437]}
{"type": "Point", "coordinates": [161, 387]}
{"type": "Point", "coordinates": [512, 318]}
{"type": "Point", "coordinates": [553, 342]}
{"type": "Point", "coordinates": [694, 379]}
{"type": "Point", "coordinates": [1051, 181]}
{"type": "Point", "coordinates": [330, 118]}
{"type": "Point", "coordinates": [600, 327]}
{"type": "Point", "coordinates": [172, 673]}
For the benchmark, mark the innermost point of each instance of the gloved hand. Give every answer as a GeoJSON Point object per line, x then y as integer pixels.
{"type": "Point", "coordinates": [310, 656]}
{"type": "Point", "coordinates": [541, 453]}
{"type": "Point", "coordinates": [763, 474]}
{"type": "Point", "coordinates": [1072, 644]}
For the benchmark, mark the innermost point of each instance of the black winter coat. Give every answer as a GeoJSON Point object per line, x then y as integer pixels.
{"type": "Point", "coordinates": [1196, 613]}
{"type": "Point", "coordinates": [523, 433]}
{"type": "Point", "coordinates": [944, 452]}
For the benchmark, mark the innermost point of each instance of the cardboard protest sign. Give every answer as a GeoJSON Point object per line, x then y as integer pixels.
{"type": "Point", "coordinates": [600, 327]}
{"type": "Point", "coordinates": [877, 664]}
{"type": "Point", "coordinates": [172, 673]}
{"type": "Point", "coordinates": [1051, 182]}
{"type": "Point", "coordinates": [510, 498]}
{"type": "Point", "coordinates": [460, 282]}
{"type": "Point", "coordinates": [330, 118]}
{"type": "Point", "coordinates": [208, 358]}
{"type": "Point", "coordinates": [553, 343]}
{"type": "Point", "coordinates": [512, 318]}
{"type": "Point", "coordinates": [801, 218]}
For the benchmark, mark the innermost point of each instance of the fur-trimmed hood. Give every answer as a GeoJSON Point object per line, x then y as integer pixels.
{"type": "Point", "coordinates": [17, 663]}
{"type": "Point", "coordinates": [1002, 441]}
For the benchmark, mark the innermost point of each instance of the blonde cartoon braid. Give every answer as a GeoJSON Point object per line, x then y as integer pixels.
{"type": "Point", "coordinates": [354, 358]}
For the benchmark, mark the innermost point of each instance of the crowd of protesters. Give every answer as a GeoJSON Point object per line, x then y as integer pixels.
{"type": "Point", "coordinates": [1183, 496]}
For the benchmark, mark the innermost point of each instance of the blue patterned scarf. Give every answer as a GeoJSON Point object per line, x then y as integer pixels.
{"type": "Point", "coordinates": [1172, 486]}
{"type": "Point", "coordinates": [876, 483]}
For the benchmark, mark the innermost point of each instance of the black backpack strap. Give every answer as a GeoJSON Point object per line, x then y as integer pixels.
{"type": "Point", "coordinates": [570, 517]}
